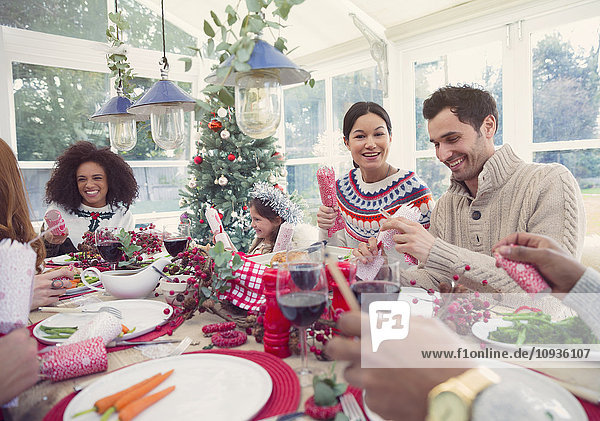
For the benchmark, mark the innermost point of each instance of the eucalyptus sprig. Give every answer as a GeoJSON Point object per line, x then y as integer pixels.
{"type": "Point", "coordinates": [235, 35]}
{"type": "Point", "coordinates": [225, 263]}
{"type": "Point", "coordinates": [128, 247]}
{"type": "Point", "coordinates": [116, 59]}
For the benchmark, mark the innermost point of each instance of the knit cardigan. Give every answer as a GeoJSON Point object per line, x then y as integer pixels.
{"type": "Point", "coordinates": [360, 204]}
{"type": "Point", "coordinates": [512, 196]}
{"type": "Point", "coordinates": [584, 298]}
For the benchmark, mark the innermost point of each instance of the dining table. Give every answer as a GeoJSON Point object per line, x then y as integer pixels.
{"type": "Point", "coordinates": [42, 400]}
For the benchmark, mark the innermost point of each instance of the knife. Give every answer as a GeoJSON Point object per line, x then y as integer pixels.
{"type": "Point", "coordinates": [161, 341]}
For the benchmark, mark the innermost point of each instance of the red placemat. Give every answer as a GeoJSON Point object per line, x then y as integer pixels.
{"type": "Point", "coordinates": [592, 410]}
{"type": "Point", "coordinates": [284, 398]}
{"type": "Point", "coordinates": [166, 329]}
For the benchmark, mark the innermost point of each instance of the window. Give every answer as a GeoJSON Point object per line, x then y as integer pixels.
{"type": "Point", "coordinates": [313, 138]}
{"type": "Point", "coordinates": [542, 70]}
{"type": "Point", "coordinates": [84, 19]}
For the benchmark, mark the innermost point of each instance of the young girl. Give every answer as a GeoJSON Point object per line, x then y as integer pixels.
{"type": "Point", "coordinates": [269, 208]}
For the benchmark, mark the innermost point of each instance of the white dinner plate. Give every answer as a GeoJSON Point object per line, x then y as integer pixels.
{"type": "Point", "coordinates": [265, 259]}
{"type": "Point", "coordinates": [143, 315]}
{"type": "Point", "coordinates": [207, 387]}
{"type": "Point", "coordinates": [62, 260]}
{"type": "Point", "coordinates": [522, 390]}
{"type": "Point", "coordinates": [482, 331]}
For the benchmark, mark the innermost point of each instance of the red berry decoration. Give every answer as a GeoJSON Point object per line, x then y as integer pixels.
{"type": "Point", "coordinates": [198, 160]}
{"type": "Point", "coordinates": [484, 282]}
{"type": "Point", "coordinates": [201, 220]}
{"type": "Point", "coordinates": [467, 267]}
{"type": "Point", "coordinates": [231, 157]}
{"type": "Point", "coordinates": [455, 277]}
{"type": "Point", "coordinates": [215, 125]}
{"type": "Point", "coordinates": [229, 339]}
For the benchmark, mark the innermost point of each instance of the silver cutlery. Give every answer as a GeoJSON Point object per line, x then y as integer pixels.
{"type": "Point", "coordinates": [114, 311]}
{"type": "Point", "coordinates": [351, 408]}
{"type": "Point", "coordinates": [160, 341]}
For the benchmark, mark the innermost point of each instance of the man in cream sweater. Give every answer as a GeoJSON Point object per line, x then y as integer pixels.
{"type": "Point", "coordinates": [492, 194]}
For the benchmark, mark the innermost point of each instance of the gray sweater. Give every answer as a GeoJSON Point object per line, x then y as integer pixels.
{"type": "Point", "coordinates": [512, 196]}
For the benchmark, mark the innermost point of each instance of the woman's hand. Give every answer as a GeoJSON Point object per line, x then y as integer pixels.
{"type": "Point", "coordinates": [326, 216]}
{"type": "Point", "coordinates": [366, 252]}
{"type": "Point", "coordinates": [20, 368]}
{"type": "Point", "coordinates": [47, 288]}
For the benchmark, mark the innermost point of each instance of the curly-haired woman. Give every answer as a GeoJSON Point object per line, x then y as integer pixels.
{"type": "Point", "coordinates": [91, 188]}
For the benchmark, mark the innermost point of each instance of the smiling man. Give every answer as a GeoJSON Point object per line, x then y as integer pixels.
{"type": "Point", "coordinates": [492, 194]}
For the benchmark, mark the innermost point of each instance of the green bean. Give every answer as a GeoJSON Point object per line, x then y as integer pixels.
{"type": "Point", "coordinates": [58, 336]}
{"type": "Point", "coordinates": [58, 329]}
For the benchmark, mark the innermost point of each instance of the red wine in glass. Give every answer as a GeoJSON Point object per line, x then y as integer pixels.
{"type": "Point", "coordinates": [110, 251]}
{"type": "Point", "coordinates": [375, 287]}
{"type": "Point", "coordinates": [302, 309]}
{"type": "Point", "coordinates": [175, 246]}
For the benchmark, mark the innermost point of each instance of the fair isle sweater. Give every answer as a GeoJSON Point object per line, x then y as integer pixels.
{"type": "Point", "coordinates": [360, 203]}
{"type": "Point", "coordinates": [512, 196]}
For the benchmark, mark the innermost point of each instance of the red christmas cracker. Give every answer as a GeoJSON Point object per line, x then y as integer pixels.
{"type": "Point", "coordinates": [326, 181]}
{"type": "Point", "coordinates": [56, 223]}
{"type": "Point", "coordinates": [74, 360]}
{"type": "Point", "coordinates": [524, 274]}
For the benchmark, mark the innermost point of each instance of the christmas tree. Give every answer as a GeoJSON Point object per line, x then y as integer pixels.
{"type": "Point", "coordinates": [221, 175]}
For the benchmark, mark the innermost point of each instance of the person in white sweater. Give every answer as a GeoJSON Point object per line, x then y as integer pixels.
{"type": "Point", "coordinates": [91, 188]}
{"type": "Point", "coordinates": [492, 194]}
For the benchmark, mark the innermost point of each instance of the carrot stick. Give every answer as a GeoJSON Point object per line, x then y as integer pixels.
{"type": "Point", "coordinates": [135, 394]}
{"type": "Point", "coordinates": [103, 404]}
{"type": "Point", "coordinates": [135, 407]}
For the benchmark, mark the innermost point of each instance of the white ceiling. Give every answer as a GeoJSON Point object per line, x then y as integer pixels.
{"type": "Point", "coordinates": [315, 25]}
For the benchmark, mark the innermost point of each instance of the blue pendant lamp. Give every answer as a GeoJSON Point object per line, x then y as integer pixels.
{"type": "Point", "coordinates": [121, 124]}
{"type": "Point", "coordinates": [166, 104]}
{"type": "Point", "coordinates": [258, 91]}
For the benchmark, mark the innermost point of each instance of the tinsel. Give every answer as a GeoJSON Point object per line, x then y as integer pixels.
{"type": "Point", "coordinates": [278, 201]}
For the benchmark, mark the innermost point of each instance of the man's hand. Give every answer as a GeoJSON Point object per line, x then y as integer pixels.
{"type": "Point", "coordinates": [413, 238]}
{"type": "Point", "coordinates": [559, 269]}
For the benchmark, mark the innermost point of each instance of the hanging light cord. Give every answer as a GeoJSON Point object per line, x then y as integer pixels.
{"type": "Point", "coordinates": [163, 61]}
{"type": "Point", "coordinates": [120, 85]}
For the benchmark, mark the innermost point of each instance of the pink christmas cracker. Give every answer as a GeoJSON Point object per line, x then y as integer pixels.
{"type": "Point", "coordinates": [17, 268]}
{"type": "Point", "coordinates": [216, 226]}
{"type": "Point", "coordinates": [55, 222]}
{"type": "Point", "coordinates": [524, 274]}
{"type": "Point", "coordinates": [386, 237]}
{"type": "Point", "coordinates": [326, 181]}
{"type": "Point", "coordinates": [74, 360]}
{"type": "Point", "coordinates": [368, 271]}
{"type": "Point", "coordinates": [284, 237]}
{"type": "Point", "coordinates": [103, 325]}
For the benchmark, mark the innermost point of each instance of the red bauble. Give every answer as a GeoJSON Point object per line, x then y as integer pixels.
{"type": "Point", "coordinates": [201, 221]}
{"type": "Point", "coordinates": [215, 125]}
{"type": "Point", "coordinates": [231, 157]}
{"type": "Point", "coordinates": [198, 160]}
{"type": "Point", "coordinates": [245, 207]}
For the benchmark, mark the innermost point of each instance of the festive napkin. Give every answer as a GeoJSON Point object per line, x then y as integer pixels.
{"type": "Point", "coordinates": [368, 271]}
{"type": "Point", "coordinates": [216, 226]}
{"type": "Point", "coordinates": [246, 291]}
{"type": "Point", "coordinates": [524, 274]}
{"type": "Point", "coordinates": [17, 267]}
{"type": "Point", "coordinates": [284, 237]}
{"type": "Point", "coordinates": [55, 222]}
{"type": "Point", "coordinates": [103, 325]}
{"type": "Point", "coordinates": [386, 237]}
{"type": "Point", "coordinates": [74, 360]}
{"type": "Point", "coordinates": [326, 181]}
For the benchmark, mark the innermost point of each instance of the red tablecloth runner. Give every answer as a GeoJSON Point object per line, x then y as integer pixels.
{"type": "Point", "coordinates": [166, 329]}
{"type": "Point", "coordinates": [285, 396]}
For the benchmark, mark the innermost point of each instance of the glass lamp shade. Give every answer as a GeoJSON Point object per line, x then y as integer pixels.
{"type": "Point", "coordinates": [258, 103]}
{"type": "Point", "coordinates": [123, 132]}
{"type": "Point", "coordinates": [167, 126]}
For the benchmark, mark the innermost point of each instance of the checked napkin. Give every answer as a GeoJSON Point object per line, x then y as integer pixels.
{"type": "Point", "coordinates": [246, 291]}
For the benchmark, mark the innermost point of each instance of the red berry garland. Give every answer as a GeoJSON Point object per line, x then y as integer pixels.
{"type": "Point", "coordinates": [218, 327]}
{"type": "Point", "coordinates": [229, 339]}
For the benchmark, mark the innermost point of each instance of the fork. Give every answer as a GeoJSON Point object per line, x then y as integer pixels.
{"type": "Point", "coordinates": [114, 311]}
{"type": "Point", "coordinates": [351, 408]}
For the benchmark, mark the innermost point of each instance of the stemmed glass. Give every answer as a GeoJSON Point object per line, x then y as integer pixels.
{"type": "Point", "coordinates": [109, 246]}
{"type": "Point", "coordinates": [386, 280]}
{"type": "Point", "coordinates": [302, 296]}
{"type": "Point", "coordinates": [176, 237]}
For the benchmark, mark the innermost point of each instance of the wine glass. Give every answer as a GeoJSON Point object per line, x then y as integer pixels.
{"type": "Point", "coordinates": [109, 246]}
{"type": "Point", "coordinates": [302, 293]}
{"type": "Point", "coordinates": [176, 237]}
{"type": "Point", "coordinates": [385, 282]}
